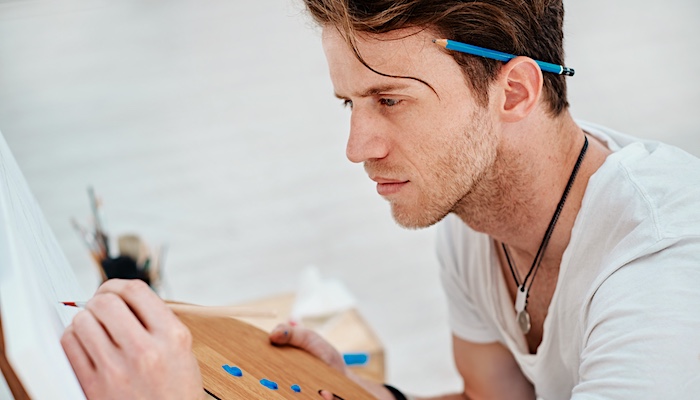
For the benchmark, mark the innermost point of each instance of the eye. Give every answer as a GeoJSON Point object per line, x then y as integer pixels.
{"type": "Point", "coordinates": [347, 104]}
{"type": "Point", "coordinates": [389, 102]}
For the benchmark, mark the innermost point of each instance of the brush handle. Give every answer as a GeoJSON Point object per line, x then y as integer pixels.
{"type": "Point", "coordinates": [208, 311]}
{"type": "Point", "coordinates": [221, 311]}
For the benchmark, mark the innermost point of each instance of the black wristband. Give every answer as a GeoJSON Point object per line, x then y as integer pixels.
{"type": "Point", "coordinates": [395, 392]}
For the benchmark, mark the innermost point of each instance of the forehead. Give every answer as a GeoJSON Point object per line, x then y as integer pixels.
{"type": "Point", "coordinates": [405, 52]}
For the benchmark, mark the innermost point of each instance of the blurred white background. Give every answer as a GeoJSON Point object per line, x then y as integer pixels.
{"type": "Point", "coordinates": [211, 126]}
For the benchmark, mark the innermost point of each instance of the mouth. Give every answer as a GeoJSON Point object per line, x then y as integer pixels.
{"type": "Point", "coordinates": [386, 187]}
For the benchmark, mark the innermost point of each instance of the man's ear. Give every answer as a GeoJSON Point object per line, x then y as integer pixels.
{"type": "Point", "coordinates": [519, 87]}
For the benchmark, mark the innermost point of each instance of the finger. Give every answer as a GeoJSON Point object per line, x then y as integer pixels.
{"type": "Point", "coordinates": [150, 309]}
{"type": "Point", "coordinates": [280, 335]}
{"type": "Point", "coordinates": [309, 341]}
{"type": "Point", "coordinates": [93, 338]}
{"type": "Point", "coordinates": [79, 360]}
{"type": "Point", "coordinates": [123, 327]}
{"type": "Point", "coordinates": [328, 395]}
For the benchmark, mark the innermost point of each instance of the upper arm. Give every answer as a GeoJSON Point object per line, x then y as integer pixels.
{"type": "Point", "coordinates": [490, 371]}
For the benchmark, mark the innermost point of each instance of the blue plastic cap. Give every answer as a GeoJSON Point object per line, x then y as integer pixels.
{"type": "Point", "coordinates": [356, 358]}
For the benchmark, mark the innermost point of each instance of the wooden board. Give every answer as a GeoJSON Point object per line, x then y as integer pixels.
{"type": "Point", "coordinates": [13, 382]}
{"type": "Point", "coordinates": [227, 341]}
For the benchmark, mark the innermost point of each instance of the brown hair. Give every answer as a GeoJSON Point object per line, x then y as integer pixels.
{"type": "Point", "coordinates": [532, 28]}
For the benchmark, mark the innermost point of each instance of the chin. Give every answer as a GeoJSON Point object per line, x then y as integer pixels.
{"type": "Point", "coordinates": [416, 217]}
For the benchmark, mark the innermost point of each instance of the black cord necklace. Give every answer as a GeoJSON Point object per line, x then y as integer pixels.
{"type": "Point", "coordinates": [522, 316]}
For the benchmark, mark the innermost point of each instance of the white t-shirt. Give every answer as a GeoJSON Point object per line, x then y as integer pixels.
{"type": "Point", "coordinates": [624, 321]}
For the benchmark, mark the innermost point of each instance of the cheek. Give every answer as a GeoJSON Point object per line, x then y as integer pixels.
{"type": "Point", "coordinates": [428, 134]}
{"type": "Point", "coordinates": [443, 139]}
{"type": "Point", "coordinates": [462, 151]}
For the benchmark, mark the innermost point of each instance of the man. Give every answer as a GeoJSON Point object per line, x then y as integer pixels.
{"type": "Point", "coordinates": [569, 252]}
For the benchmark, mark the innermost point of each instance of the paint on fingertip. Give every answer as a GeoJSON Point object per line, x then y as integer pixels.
{"type": "Point", "coordinates": [268, 384]}
{"type": "Point", "coordinates": [235, 371]}
{"type": "Point", "coordinates": [296, 388]}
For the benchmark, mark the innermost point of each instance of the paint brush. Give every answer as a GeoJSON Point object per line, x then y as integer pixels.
{"type": "Point", "coordinates": [100, 235]}
{"type": "Point", "coordinates": [93, 247]}
{"type": "Point", "coordinates": [209, 311]}
{"type": "Point", "coordinates": [87, 238]}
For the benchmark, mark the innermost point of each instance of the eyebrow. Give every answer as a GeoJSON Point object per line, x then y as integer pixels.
{"type": "Point", "coordinates": [375, 90]}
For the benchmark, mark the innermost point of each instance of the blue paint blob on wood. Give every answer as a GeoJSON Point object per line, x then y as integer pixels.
{"type": "Point", "coordinates": [268, 384]}
{"type": "Point", "coordinates": [296, 388]}
{"type": "Point", "coordinates": [235, 371]}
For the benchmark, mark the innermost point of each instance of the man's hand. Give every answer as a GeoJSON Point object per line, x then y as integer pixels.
{"type": "Point", "coordinates": [127, 344]}
{"type": "Point", "coordinates": [313, 343]}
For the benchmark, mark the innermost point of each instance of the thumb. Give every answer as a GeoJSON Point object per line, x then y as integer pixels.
{"type": "Point", "coordinates": [309, 341]}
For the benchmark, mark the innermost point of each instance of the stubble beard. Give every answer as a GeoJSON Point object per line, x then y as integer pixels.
{"type": "Point", "coordinates": [457, 171]}
{"type": "Point", "coordinates": [497, 199]}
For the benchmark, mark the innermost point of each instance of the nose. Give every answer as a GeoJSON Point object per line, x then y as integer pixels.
{"type": "Point", "coordinates": [367, 140]}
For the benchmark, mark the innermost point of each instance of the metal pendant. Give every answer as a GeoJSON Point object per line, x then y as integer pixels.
{"type": "Point", "coordinates": [524, 321]}
{"type": "Point", "coordinates": [522, 317]}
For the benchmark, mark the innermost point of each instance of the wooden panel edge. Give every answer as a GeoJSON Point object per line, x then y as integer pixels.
{"type": "Point", "coordinates": [11, 378]}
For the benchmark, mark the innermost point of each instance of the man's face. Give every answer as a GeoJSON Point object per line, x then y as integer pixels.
{"type": "Point", "coordinates": [425, 149]}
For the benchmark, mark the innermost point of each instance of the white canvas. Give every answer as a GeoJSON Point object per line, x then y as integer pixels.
{"type": "Point", "coordinates": [34, 277]}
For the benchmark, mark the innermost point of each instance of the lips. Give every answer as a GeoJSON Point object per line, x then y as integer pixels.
{"type": "Point", "coordinates": [386, 187]}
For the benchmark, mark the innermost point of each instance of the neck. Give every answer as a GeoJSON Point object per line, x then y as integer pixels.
{"type": "Point", "coordinates": [514, 202]}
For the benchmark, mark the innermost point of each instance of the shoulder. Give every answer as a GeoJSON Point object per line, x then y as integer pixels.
{"type": "Point", "coordinates": [640, 220]}
{"type": "Point", "coordinates": [642, 198]}
{"type": "Point", "coordinates": [663, 179]}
